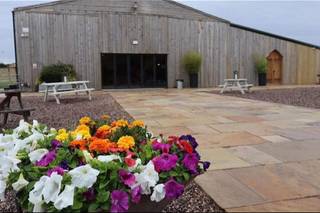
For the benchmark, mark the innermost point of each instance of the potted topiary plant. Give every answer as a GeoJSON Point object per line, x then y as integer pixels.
{"type": "Point", "coordinates": [192, 63]}
{"type": "Point", "coordinates": [261, 65]}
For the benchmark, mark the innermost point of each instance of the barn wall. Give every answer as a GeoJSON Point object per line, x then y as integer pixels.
{"type": "Point", "coordinates": [71, 35]}
{"type": "Point", "coordinates": [79, 39]}
{"type": "Point", "coordinates": [300, 62]}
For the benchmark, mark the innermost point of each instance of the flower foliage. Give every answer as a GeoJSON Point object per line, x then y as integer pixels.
{"type": "Point", "coordinates": [98, 166]}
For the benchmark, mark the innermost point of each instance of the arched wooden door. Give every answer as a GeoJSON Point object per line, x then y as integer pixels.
{"type": "Point", "coordinates": [274, 73]}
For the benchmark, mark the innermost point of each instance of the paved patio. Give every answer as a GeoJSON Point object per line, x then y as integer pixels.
{"type": "Point", "coordinates": [266, 155]}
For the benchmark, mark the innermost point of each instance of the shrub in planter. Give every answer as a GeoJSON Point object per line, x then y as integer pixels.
{"type": "Point", "coordinates": [56, 72]}
{"type": "Point", "coordinates": [99, 166]}
{"type": "Point", "coordinates": [261, 65]}
{"type": "Point", "coordinates": [192, 63]}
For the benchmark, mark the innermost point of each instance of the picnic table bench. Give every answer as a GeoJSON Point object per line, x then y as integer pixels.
{"type": "Point", "coordinates": [5, 105]}
{"type": "Point", "coordinates": [57, 89]}
{"type": "Point", "coordinates": [238, 84]}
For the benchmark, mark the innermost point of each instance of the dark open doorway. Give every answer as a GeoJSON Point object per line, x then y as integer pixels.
{"type": "Point", "coordinates": [133, 70]}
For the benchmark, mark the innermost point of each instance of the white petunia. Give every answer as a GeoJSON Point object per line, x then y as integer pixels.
{"type": "Point", "coordinates": [108, 158]}
{"type": "Point", "coordinates": [35, 196]}
{"type": "Point", "coordinates": [52, 188]}
{"type": "Point", "coordinates": [23, 127]}
{"type": "Point", "coordinates": [35, 124]}
{"type": "Point", "coordinates": [36, 155]}
{"type": "Point", "coordinates": [65, 198]}
{"type": "Point", "coordinates": [137, 164]}
{"type": "Point", "coordinates": [158, 193]}
{"type": "Point", "coordinates": [38, 207]}
{"type": "Point", "coordinates": [20, 183]}
{"type": "Point", "coordinates": [8, 164]}
{"type": "Point", "coordinates": [147, 178]}
{"type": "Point", "coordinates": [3, 186]}
{"type": "Point", "coordinates": [83, 176]}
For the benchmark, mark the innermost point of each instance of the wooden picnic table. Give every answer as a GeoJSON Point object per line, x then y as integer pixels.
{"type": "Point", "coordinates": [239, 84]}
{"type": "Point", "coordinates": [5, 105]}
{"type": "Point", "coordinates": [57, 89]}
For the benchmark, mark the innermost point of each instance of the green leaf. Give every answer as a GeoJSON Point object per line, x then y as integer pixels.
{"type": "Point", "coordinates": [93, 207]}
{"type": "Point", "coordinates": [186, 176]}
{"type": "Point", "coordinates": [103, 196]}
{"type": "Point", "coordinates": [77, 204]}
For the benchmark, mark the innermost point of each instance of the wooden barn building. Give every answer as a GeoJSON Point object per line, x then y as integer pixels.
{"type": "Point", "coordinates": [140, 43]}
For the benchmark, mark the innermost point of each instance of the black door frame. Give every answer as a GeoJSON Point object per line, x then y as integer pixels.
{"type": "Point", "coordinates": [129, 73]}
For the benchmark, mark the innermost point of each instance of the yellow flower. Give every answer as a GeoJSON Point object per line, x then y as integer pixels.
{"type": "Point", "coordinates": [125, 142]}
{"type": "Point", "coordinates": [62, 135]}
{"type": "Point", "coordinates": [82, 128]}
{"type": "Point", "coordinates": [85, 120]}
{"type": "Point", "coordinates": [83, 131]}
{"type": "Point", "coordinates": [60, 131]}
{"type": "Point", "coordinates": [138, 123]}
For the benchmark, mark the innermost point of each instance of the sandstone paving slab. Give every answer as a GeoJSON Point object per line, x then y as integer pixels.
{"type": "Point", "coordinates": [227, 191]}
{"type": "Point", "coordinates": [231, 139]}
{"type": "Point", "coordinates": [221, 158]}
{"type": "Point", "coordinates": [275, 182]}
{"type": "Point", "coordinates": [309, 170]}
{"type": "Point", "coordinates": [253, 156]}
{"type": "Point", "coordinates": [253, 128]}
{"type": "Point", "coordinates": [311, 204]}
{"type": "Point", "coordinates": [202, 129]}
{"type": "Point", "coordinates": [275, 138]}
{"type": "Point", "coordinates": [245, 119]}
{"type": "Point", "coordinates": [299, 134]}
{"type": "Point", "coordinates": [292, 151]}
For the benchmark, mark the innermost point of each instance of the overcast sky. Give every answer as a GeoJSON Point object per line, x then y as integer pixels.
{"type": "Point", "coordinates": [295, 19]}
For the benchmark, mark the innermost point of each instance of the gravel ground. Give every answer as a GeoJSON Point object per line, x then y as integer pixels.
{"type": "Point", "coordinates": [306, 97]}
{"type": "Point", "coordinates": [68, 113]}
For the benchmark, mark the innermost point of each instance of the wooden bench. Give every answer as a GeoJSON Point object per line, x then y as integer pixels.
{"type": "Point", "coordinates": [26, 112]}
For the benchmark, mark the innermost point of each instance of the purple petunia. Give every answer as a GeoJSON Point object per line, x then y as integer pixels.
{"type": "Point", "coordinates": [119, 201]}
{"type": "Point", "coordinates": [126, 177]}
{"type": "Point", "coordinates": [206, 165]}
{"type": "Point", "coordinates": [55, 144]}
{"type": "Point", "coordinates": [64, 165]}
{"type": "Point", "coordinates": [58, 170]}
{"type": "Point", "coordinates": [47, 159]}
{"type": "Point", "coordinates": [164, 147]}
{"type": "Point", "coordinates": [136, 194]}
{"type": "Point", "coordinates": [191, 139]}
{"type": "Point", "coordinates": [165, 162]}
{"type": "Point", "coordinates": [173, 189]}
{"type": "Point", "coordinates": [90, 194]}
{"type": "Point", "coordinates": [190, 161]}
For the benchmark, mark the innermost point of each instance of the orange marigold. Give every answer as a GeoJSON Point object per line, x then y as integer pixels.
{"type": "Point", "coordinates": [79, 144]}
{"type": "Point", "coordinates": [120, 123]}
{"type": "Point", "coordinates": [125, 142]}
{"type": "Point", "coordinates": [103, 131]}
{"type": "Point", "coordinates": [99, 145]}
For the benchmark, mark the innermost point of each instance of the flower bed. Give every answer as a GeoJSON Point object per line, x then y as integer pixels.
{"type": "Point", "coordinates": [101, 165]}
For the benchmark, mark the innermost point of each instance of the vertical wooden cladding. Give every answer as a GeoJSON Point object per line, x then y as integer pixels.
{"type": "Point", "coordinates": [57, 37]}
{"type": "Point", "coordinates": [119, 31]}
{"type": "Point", "coordinates": [300, 63]}
{"type": "Point", "coordinates": [209, 39]}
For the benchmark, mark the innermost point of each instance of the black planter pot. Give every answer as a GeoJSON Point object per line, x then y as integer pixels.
{"type": "Point", "coordinates": [262, 77]}
{"type": "Point", "coordinates": [193, 80]}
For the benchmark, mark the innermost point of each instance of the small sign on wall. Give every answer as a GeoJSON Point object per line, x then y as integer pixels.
{"type": "Point", "coordinates": [34, 66]}
{"type": "Point", "coordinates": [135, 42]}
{"type": "Point", "coordinates": [25, 32]}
